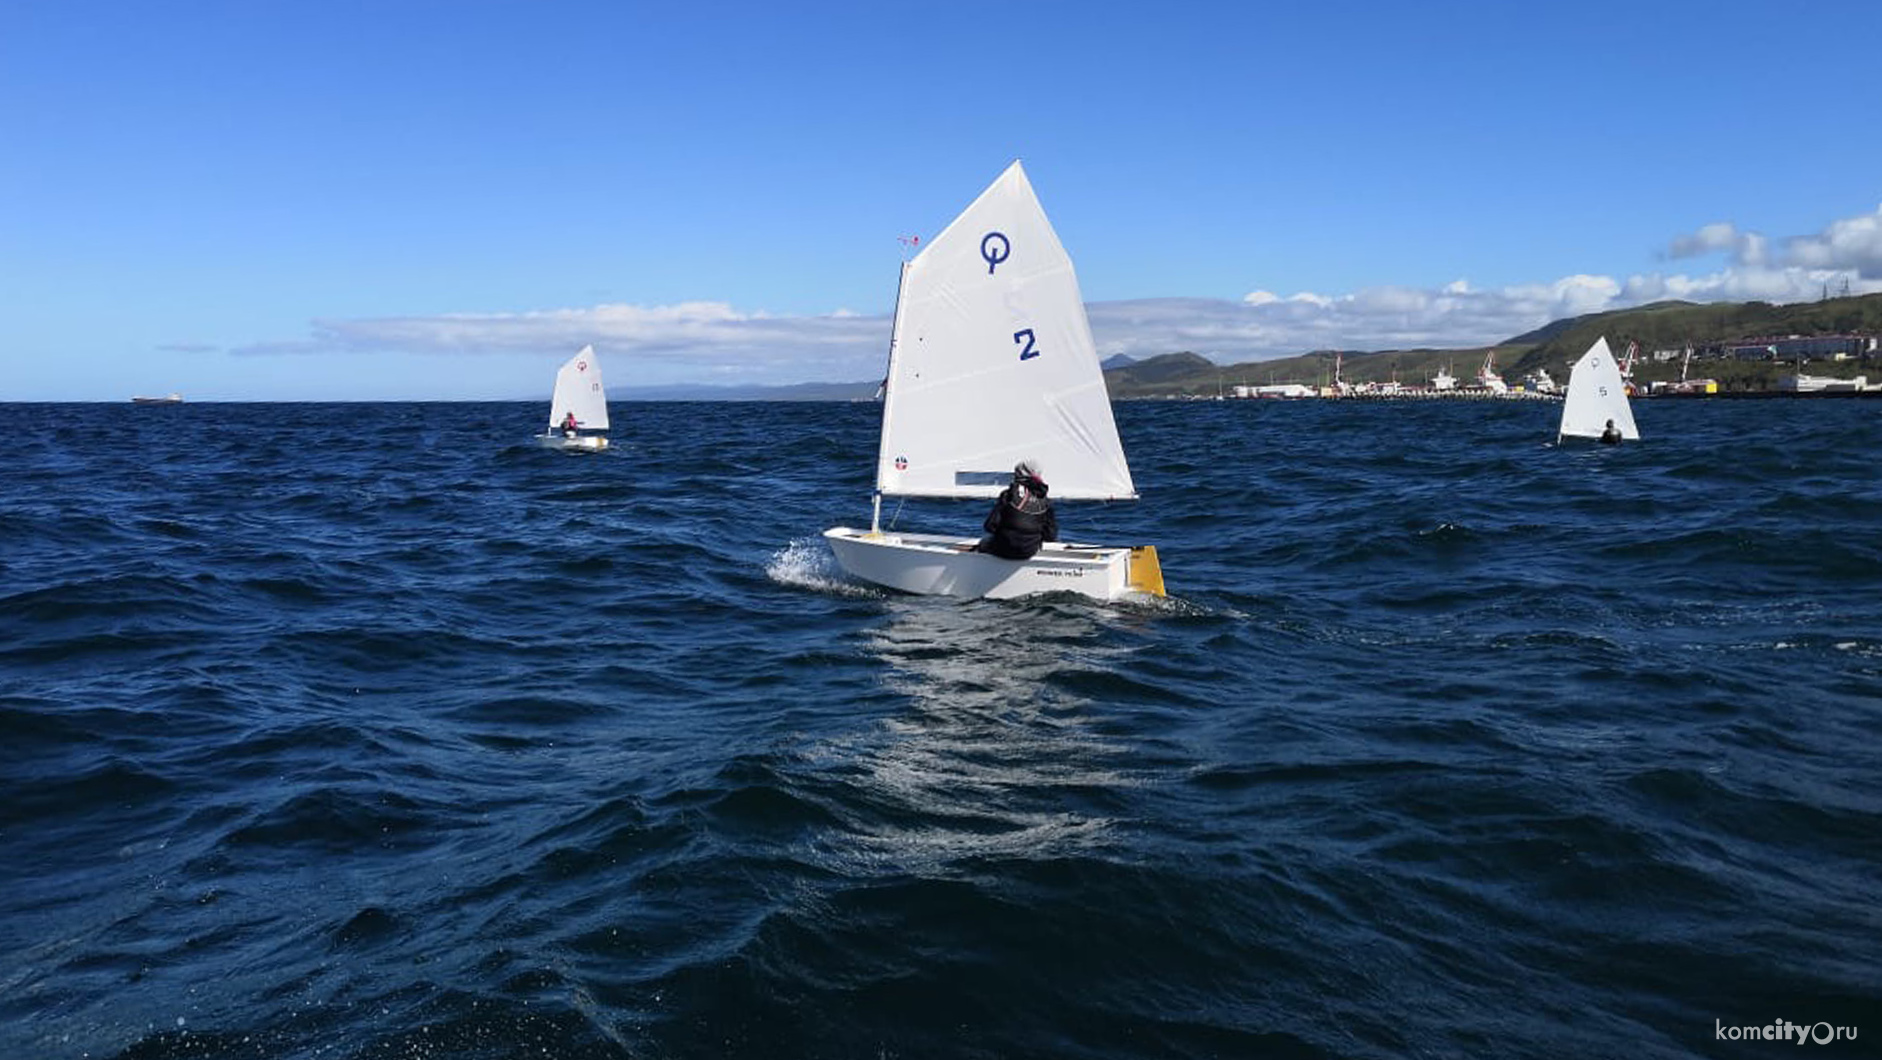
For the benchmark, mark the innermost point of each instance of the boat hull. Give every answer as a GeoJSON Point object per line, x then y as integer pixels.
{"type": "Point", "coordinates": [938, 565]}
{"type": "Point", "coordinates": [581, 443]}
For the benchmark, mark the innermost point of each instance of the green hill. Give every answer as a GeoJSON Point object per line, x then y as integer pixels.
{"type": "Point", "coordinates": [1709, 328]}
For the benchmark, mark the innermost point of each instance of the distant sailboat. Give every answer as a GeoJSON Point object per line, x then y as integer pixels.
{"type": "Point", "coordinates": [991, 362]}
{"type": "Point", "coordinates": [578, 411]}
{"type": "Point", "coordinates": [1596, 398]}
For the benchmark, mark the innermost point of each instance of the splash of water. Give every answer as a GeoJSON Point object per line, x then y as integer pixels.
{"type": "Point", "coordinates": [808, 564]}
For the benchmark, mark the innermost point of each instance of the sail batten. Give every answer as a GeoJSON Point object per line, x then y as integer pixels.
{"type": "Point", "coordinates": [992, 362]}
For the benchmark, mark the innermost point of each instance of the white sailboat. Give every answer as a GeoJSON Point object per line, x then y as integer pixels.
{"type": "Point", "coordinates": [578, 411]}
{"type": "Point", "coordinates": [1596, 397]}
{"type": "Point", "coordinates": [991, 362]}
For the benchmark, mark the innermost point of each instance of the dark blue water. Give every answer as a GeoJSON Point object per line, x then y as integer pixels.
{"type": "Point", "coordinates": [358, 731]}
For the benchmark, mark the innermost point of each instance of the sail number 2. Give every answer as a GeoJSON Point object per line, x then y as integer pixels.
{"type": "Point", "coordinates": [995, 248]}
{"type": "Point", "coordinates": [1024, 338]}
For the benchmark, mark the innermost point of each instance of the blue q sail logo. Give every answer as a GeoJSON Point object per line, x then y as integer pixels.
{"type": "Point", "coordinates": [993, 253]}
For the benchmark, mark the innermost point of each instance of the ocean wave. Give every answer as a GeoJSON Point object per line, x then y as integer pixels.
{"type": "Point", "coordinates": [319, 746]}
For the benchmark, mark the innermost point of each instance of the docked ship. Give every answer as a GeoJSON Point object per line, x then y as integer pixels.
{"type": "Point", "coordinates": [1822, 384]}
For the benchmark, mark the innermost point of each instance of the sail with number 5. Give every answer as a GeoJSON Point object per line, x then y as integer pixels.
{"type": "Point", "coordinates": [991, 363]}
{"type": "Point", "coordinates": [1597, 396]}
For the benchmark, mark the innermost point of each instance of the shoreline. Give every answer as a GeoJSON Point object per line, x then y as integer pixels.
{"type": "Point", "coordinates": [1731, 395]}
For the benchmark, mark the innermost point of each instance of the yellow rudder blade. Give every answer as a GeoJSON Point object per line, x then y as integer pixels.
{"type": "Point", "coordinates": [1146, 574]}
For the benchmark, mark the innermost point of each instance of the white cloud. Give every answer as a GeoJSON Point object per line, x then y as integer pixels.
{"type": "Point", "coordinates": [672, 343]}
{"type": "Point", "coordinates": [700, 341]}
{"type": "Point", "coordinates": [1852, 244]}
{"type": "Point", "coordinates": [1789, 284]}
{"type": "Point", "coordinates": [1263, 325]}
{"type": "Point", "coordinates": [1755, 251]}
{"type": "Point", "coordinates": [1385, 301]}
{"type": "Point", "coordinates": [1708, 240]}
{"type": "Point", "coordinates": [1743, 248]}
{"type": "Point", "coordinates": [1454, 315]}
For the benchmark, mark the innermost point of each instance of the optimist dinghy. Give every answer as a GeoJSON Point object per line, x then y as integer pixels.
{"type": "Point", "coordinates": [578, 393]}
{"type": "Point", "coordinates": [1596, 397]}
{"type": "Point", "coordinates": [991, 362]}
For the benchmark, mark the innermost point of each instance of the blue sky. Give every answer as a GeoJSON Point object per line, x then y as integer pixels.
{"type": "Point", "coordinates": [406, 199]}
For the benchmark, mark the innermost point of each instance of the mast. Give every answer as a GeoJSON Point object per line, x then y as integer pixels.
{"type": "Point", "coordinates": [888, 396]}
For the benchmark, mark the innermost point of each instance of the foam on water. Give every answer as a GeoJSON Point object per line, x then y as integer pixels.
{"type": "Point", "coordinates": [807, 563]}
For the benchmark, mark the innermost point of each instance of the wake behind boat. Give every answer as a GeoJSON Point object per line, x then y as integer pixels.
{"type": "Point", "coordinates": [1597, 398]}
{"type": "Point", "coordinates": [578, 411]}
{"type": "Point", "coordinates": [991, 363]}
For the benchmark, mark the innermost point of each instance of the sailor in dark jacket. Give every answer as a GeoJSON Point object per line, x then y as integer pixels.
{"type": "Point", "coordinates": [1022, 518]}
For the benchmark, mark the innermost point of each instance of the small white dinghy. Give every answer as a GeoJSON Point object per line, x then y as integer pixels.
{"type": "Point", "coordinates": [578, 394]}
{"type": "Point", "coordinates": [991, 362]}
{"type": "Point", "coordinates": [1596, 397]}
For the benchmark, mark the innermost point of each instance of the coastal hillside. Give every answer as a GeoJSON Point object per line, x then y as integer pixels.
{"type": "Point", "coordinates": [1711, 329]}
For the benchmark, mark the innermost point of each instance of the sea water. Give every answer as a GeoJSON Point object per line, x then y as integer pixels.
{"type": "Point", "coordinates": [372, 731]}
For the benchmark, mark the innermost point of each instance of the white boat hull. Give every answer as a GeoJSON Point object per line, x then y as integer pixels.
{"type": "Point", "coordinates": [938, 565]}
{"type": "Point", "coordinates": [581, 443]}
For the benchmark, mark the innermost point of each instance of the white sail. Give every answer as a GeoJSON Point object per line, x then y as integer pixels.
{"type": "Point", "coordinates": [1595, 396]}
{"type": "Point", "coordinates": [992, 362]}
{"type": "Point", "coordinates": [578, 389]}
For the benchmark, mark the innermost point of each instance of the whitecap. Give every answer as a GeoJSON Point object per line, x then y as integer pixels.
{"type": "Point", "coordinates": [807, 563]}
